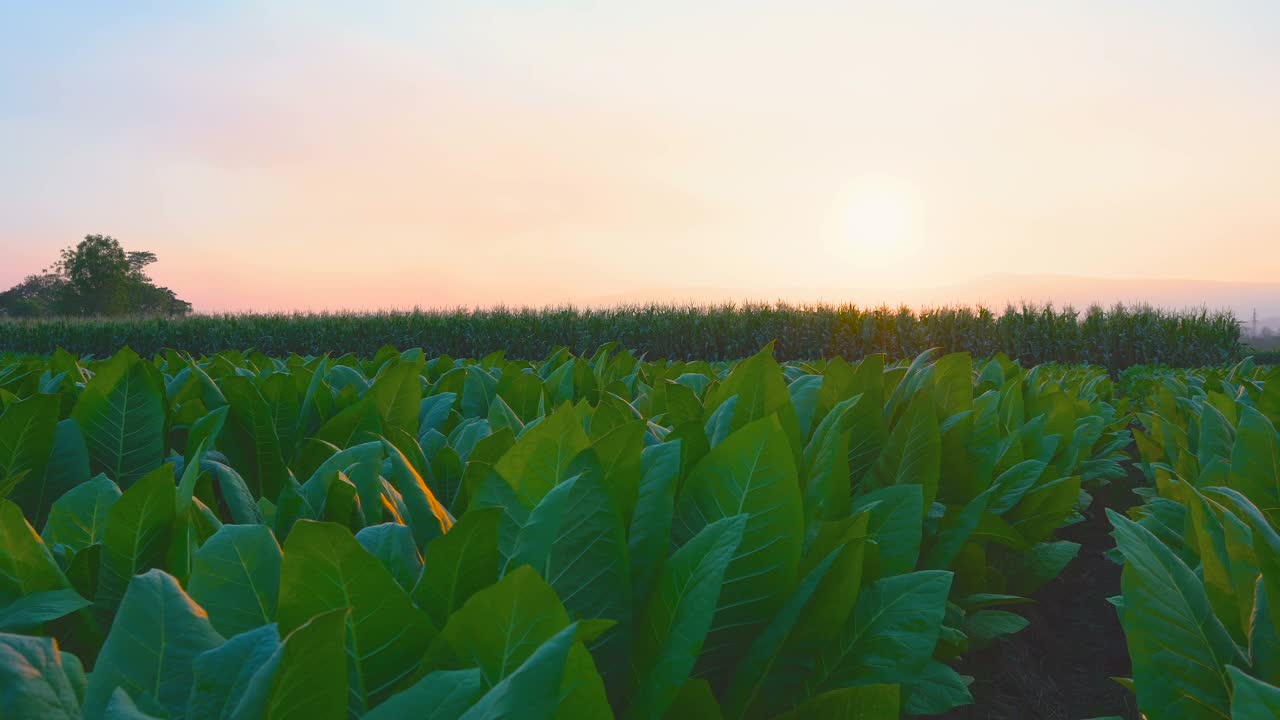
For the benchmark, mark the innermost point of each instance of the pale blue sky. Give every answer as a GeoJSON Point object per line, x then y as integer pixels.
{"type": "Point", "coordinates": [350, 154]}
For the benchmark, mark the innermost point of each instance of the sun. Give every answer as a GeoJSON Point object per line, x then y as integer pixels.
{"type": "Point", "coordinates": [875, 223]}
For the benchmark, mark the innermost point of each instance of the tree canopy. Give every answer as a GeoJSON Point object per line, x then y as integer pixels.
{"type": "Point", "coordinates": [95, 277]}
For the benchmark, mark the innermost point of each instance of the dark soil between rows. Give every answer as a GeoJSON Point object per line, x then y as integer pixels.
{"type": "Point", "coordinates": [1060, 667]}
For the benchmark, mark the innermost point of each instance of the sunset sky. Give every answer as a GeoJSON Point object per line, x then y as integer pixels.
{"type": "Point", "coordinates": [389, 154]}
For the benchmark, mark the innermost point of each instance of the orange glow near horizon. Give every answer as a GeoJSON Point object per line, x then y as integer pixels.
{"type": "Point", "coordinates": [315, 156]}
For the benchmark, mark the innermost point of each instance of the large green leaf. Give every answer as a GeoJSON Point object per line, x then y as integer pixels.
{"type": "Point", "coordinates": [426, 516]}
{"type": "Point", "coordinates": [122, 413]}
{"type": "Point", "coordinates": [938, 690]}
{"type": "Point", "coordinates": [912, 454]}
{"type": "Point", "coordinates": [221, 676]}
{"type": "Point", "coordinates": [588, 565]}
{"type": "Point", "coordinates": [397, 394]}
{"type": "Point", "coordinates": [1252, 698]}
{"type": "Point", "coordinates": [26, 565]}
{"type": "Point", "coordinates": [541, 457]}
{"type": "Point", "coordinates": [79, 518]}
{"type": "Point", "coordinates": [895, 524]}
{"type": "Point", "coordinates": [1045, 509]}
{"type": "Point", "coordinates": [31, 610]}
{"type": "Point", "coordinates": [1255, 462]}
{"type": "Point", "coordinates": [891, 635]}
{"type": "Point", "coordinates": [530, 691]}
{"type": "Point", "coordinates": [672, 628]}
{"type": "Point", "coordinates": [235, 576]}
{"type": "Point", "coordinates": [121, 706]}
{"type": "Point", "coordinates": [137, 532]}
{"type": "Point", "coordinates": [325, 569]}
{"type": "Point", "coordinates": [255, 449]}
{"type": "Point", "coordinates": [826, 467]}
{"type": "Point", "coordinates": [867, 702]}
{"type": "Point", "coordinates": [1180, 650]}
{"type": "Point", "coordinates": [751, 473]}
{"type": "Point", "coordinates": [443, 695]}
{"type": "Point", "coordinates": [500, 627]}
{"type": "Point", "coordinates": [393, 545]}
{"type": "Point", "coordinates": [306, 677]}
{"type": "Point", "coordinates": [457, 565]}
{"type": "Point", "coordinates": [649, 539]}
{"type": "Point", "coordinates": [27, 430]}
{"type": "Point", "coordinates": [153, 642]}
{"type": "Point", "coordinates": [33, 682]}
{"type": "Point", "coordinates": [752, 671]}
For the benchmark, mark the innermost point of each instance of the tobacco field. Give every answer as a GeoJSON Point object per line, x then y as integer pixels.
{"type": "Point", "coordinates": [237, 535]}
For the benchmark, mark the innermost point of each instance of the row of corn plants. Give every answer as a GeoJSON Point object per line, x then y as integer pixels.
{"type": "Point", "coordinates": [244, 536]}
{"type": "Point", "coordinates": [1115, 337]}
{"type": "Point", "coordinates": [1200, 602]}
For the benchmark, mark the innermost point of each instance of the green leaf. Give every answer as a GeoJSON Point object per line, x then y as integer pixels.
{"type": "Point", "coordinates": [1180, 650]}
{"type": "Point", "coordinates": [830, 608]}
{"type": "Point", "coordinates": [457, 565]}
{"type": "Point", "coordinates": [1252, 699]}
{"type": "Point", "coordinates": [122, 414]}
{"type": "Point", "coordinates": [895, 525]}
{"type": "Point", "coordinates": [157, 633]}
{"type": "Point", "coordinates": [587, 564]}
{"type": "Point", "coordinates": [26, 565]}
{"type": "Point", "coordinates": [137, 533]}
{"type": "Point", "coordinates": [867, 702]}
{"type": "Point", "coordinates": [393, 545]}
{"type": "Point", "coordinates": [1013, 484]}
{"type": "Point", "coordinates": [501, 626]}
{"type": "Point", "coordinates": [122, 707]}
{"type": "Point", "coordinates": [220, 677]}
{"type": "Point", "coordinates": [750, 473]}
{"type": "Point", "coordinates": [443, 695]}
{"type": "Point", "coordinates": [235, 576]}
{"type": "Point", "coordinates": [254, 446]}
{"type": "Point", "coordinates": [913, 452]}
{"type": "Point", "coordinates": [1216, 436]}
{"type": "Point", "coordinates": [427, 517]}
{"type": "Point", "coordinates": [27, 430]}
{"type": "Point", "coordinates": [957, 526]}
{"type": "Point", "coordinates": [938, 690]}
{"type": "Point", "coordinates": [397, 394]}
{"type": "Point", "coordinates": [1210, 536]}
{"type": "Point", "coordinates": [78, 518]}
{"type": "Point", "coordinates": [986, 625]}
{"type": "Point", "coordinates": [673, 626]}
{"type": "Point", "coordinates": [761, 391]}
{"type": "Point", "coordinates": [1037, 566]}
{"type": "Point", "coordinates": [891, 635]}
{"type": "Point", "coordinates": [1255, 461]}
{"type": "Point", "coordinates": [695, 700]}
{"type": "Point", "coordinates": [649, 539]}
{"type": "Point", "coordinates": [306, 677]}
{"type": "Point", "coordinates": [325, 569]}
{"type": "Point", "coordinates": [40, 607]}
{"type": "Point", "coordinates": [1045, 508]}
{"type": "Point", "coordinates": [534, 537]}
{"type": "Point", "coordinates": [541, 457]}
{"type": "Point", "coordinates": [530, 692]}
{"type": "Point", "coordinates": [33, 682]}
{"type": "Point", "coordinates": [826, 463]}
{"type": "Point", "coordinates": [194, 524]}
{"type": "Point", "coordinates": [204, 433]}
{"type": "Point", "coordinates": [752, 671]}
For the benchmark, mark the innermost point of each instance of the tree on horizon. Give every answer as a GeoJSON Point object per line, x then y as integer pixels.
{"type": "Point", "coordinates": [95, 278]}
